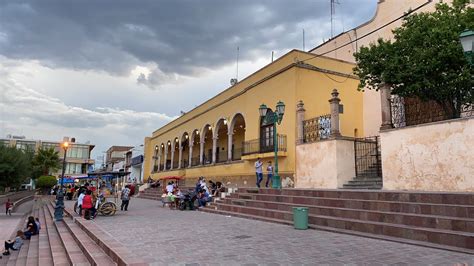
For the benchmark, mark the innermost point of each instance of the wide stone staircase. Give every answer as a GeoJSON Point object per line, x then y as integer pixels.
{"type": "Point", "coordinates": [73, 241]}
{"type": "Point", "coordinates": [438, 220]}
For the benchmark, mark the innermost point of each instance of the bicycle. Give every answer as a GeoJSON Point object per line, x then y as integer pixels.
{"type": "Point", "coordinates": [106, 208]}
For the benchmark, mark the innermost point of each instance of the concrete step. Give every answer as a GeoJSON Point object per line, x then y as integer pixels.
{"type": "Point", "coordinates": [33, 255]}
{"type": "Point", "coordinates": [437, 236]}
{"type": "Point", "coordinates": [399, 196]}
{"type": "Point", "coordinates": [339, 230]}
{"type": "Point", "coordinates": [45, 256]}
{"type": "Point", "coordinates": [461, 211]}
{"type": "Point", "coordinates": [73, 251]}
{"type": "Point", "coordinates": [58, 252]}
{"type": "Point", "coordinates": [93, 252]}
{"type": "Point", "coordinates": [420, 220]}
{"type": "Point", "coordinates": [365, 183]}
{"type": "Point", "coordinates": [111, 247]}
{"type": "Point", "coordinates": [363, 186]}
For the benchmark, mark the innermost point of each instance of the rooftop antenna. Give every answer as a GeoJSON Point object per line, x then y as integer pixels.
{"type": "Point", "coordinates": [235, 80]}
{"type": "Point", "coordinates": [272, 56]}
{"type": "Point", "coordinates": [237, 71]}
{"type": "Point", "coordinates": [333, 14]}
{"type": "Point", "coordinates": [303, 42]}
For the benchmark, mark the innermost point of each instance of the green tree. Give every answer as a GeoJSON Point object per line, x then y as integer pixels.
{"type": "Point", "coordinates": [46, 182]}
{"type": "Point", "coordinates": [15, 166]}
{"type": "Point", "coordinates": [45, 161]}
{"type": "Point", "coordinates": [425, 59]}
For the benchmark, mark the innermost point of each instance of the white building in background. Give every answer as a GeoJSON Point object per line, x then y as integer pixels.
{"type": "Point", "coordinates": [134, 164]}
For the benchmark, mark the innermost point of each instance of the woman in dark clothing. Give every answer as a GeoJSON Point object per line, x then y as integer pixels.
{"type": "Point", "coordinates": [31, 227]}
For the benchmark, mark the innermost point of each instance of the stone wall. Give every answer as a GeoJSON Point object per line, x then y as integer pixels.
{"type": "Point", "coordinates": [431, 157]}
{"type": "Point", "coordinates": [324, 164]}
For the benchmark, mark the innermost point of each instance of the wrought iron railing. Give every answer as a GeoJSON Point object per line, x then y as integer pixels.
{"type": "Point", "coordinates": [155, 168]}
{"type": "Point", "coordinates": [259, 146]}
{"type": "Point", "coordinates": [410, 111]}
{"type": "Point", "coordinates": [317, 128]}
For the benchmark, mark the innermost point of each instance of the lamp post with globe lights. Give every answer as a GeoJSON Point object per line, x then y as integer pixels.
{"type": "Point", "coordinates": [58, 212]}
{"type": "Point", "coordinates": [276, 118]}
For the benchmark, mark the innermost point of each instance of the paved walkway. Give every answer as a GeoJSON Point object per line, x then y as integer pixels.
{"type": "Point", "coordinates": [162, 236]}
{"type": "Point", "coordinates": [8, 223]}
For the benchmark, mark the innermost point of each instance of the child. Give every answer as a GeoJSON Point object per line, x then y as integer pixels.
{"type": "Point", "coordinates": [14, 245]}
{"type": "Point", "coordinates": [8, 207]}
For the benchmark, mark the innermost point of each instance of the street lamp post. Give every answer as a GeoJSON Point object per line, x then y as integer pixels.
{"type": "Point", "coordinates": [58, 211]}
{"type": "Point", "coordinates": [276, 118]}
{"type": "Point", "coordinates": [467, 41]}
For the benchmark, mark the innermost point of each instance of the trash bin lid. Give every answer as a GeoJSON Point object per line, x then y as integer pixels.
{"type": "Point", "coordinates": [300, 208]}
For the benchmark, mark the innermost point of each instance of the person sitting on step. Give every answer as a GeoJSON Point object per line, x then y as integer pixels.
{"type": "Point", "coordinates": [14, 245]}
{"type": "Point", "coordinates": [31, 227]}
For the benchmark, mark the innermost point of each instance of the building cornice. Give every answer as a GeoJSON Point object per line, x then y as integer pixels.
{"type": "Point", "coordinates": [297, 64]}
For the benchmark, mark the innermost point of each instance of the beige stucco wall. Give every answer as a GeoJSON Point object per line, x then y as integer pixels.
{"type": "Point", "coordinates": [324, 164]}
{"type": "Point", "coordinates": [430, 157]}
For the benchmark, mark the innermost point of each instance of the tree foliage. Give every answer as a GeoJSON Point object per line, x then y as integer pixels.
{"type": "Point", "coordinates": [425, 59]}
{"type": "Point", "coordinates": [15, 166]}
{"type": "Point", "coordinates": [45, 161]}
{"type": "Point", "coordinates": [46, 181]}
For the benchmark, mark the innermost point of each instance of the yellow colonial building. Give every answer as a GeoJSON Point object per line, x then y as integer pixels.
{"type": "Point", "coordinates": [222, 138]}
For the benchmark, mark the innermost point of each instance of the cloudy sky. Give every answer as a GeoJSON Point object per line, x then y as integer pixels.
{"type": "Point", "coordinates": [111, 72]}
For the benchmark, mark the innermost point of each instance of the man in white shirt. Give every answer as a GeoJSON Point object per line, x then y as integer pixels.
{"type": "Point", "coordinates": [170, 187]}
{"type": "Point", "coordinates": [259, 171]}
{"type": "Point", "coordinates": [79, 201]}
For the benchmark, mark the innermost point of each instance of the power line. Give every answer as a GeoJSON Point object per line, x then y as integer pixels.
{"type": "Point", "coordinates": [369, 33]}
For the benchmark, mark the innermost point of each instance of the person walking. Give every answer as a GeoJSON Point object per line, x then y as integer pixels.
{"type": "Point", "coordinates": [8, 207]}
{"type": "Point", "coordinates": [259, 171]}
{"type": "Point", "coordinates": [125, 197]}
{"type": "Point", "coordinates": [269, 173]}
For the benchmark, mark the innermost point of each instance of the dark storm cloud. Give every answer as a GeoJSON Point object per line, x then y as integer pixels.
{"type": "Point", "coordinates": [176, 37]}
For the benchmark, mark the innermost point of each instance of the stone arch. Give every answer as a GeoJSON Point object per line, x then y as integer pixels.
{"type": "Point", "coordinates": [206, 144]}
{"type": "Point", "coordinates": [237, 130]}
{"type": "Point", "coordinates": [221, 147]}
{"type": "Point", "coordinates": [195, 141]}
{"type": "Point", "coordinates": [156, 163]}
{"type": "Point", "coordinates": [184, 145]}
{"type": "Point", "coordinates": [167, 162]}
{"type": "Point", "coordinates": [175, 153]}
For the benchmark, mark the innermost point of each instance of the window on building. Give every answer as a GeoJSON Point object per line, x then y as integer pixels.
{"type": "Point", "coordinates": [266, 132]}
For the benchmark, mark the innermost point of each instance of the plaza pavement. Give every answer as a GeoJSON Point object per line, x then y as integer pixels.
{"type": "Point", "coordinates": [9, 223]}
{"type": "Point", "coordinates": [169, 237]}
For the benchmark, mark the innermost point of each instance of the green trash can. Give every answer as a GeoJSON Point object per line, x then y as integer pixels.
{"type": "Point", "coordinates": [300, 218]}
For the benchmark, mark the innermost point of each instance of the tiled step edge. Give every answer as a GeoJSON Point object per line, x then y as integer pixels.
{"type": "Point", "coordinates": [33, 256]}
{"type": "Point", "coordinates": [114, 249]}
{"type": "Point", "coordinates": [287, 214]}
{"type": "Point", "coordinates": [408, 214]}
{"type": "Point", "coordinates": [45, 256]}
{"type": "Point", "coordinates": [250, 196]}
{"type": "Point", "coordinates": [94, 253]}
{"type": "Point", "coordinates": [73, 251]}
{"type": "Point", "coordinates": [341, 231]}
{"type": "Point", "coordinates": [57, 249]}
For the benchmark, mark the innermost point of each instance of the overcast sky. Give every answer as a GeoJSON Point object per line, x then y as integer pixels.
{"type": "Point", "coordinates": [112, 72]}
